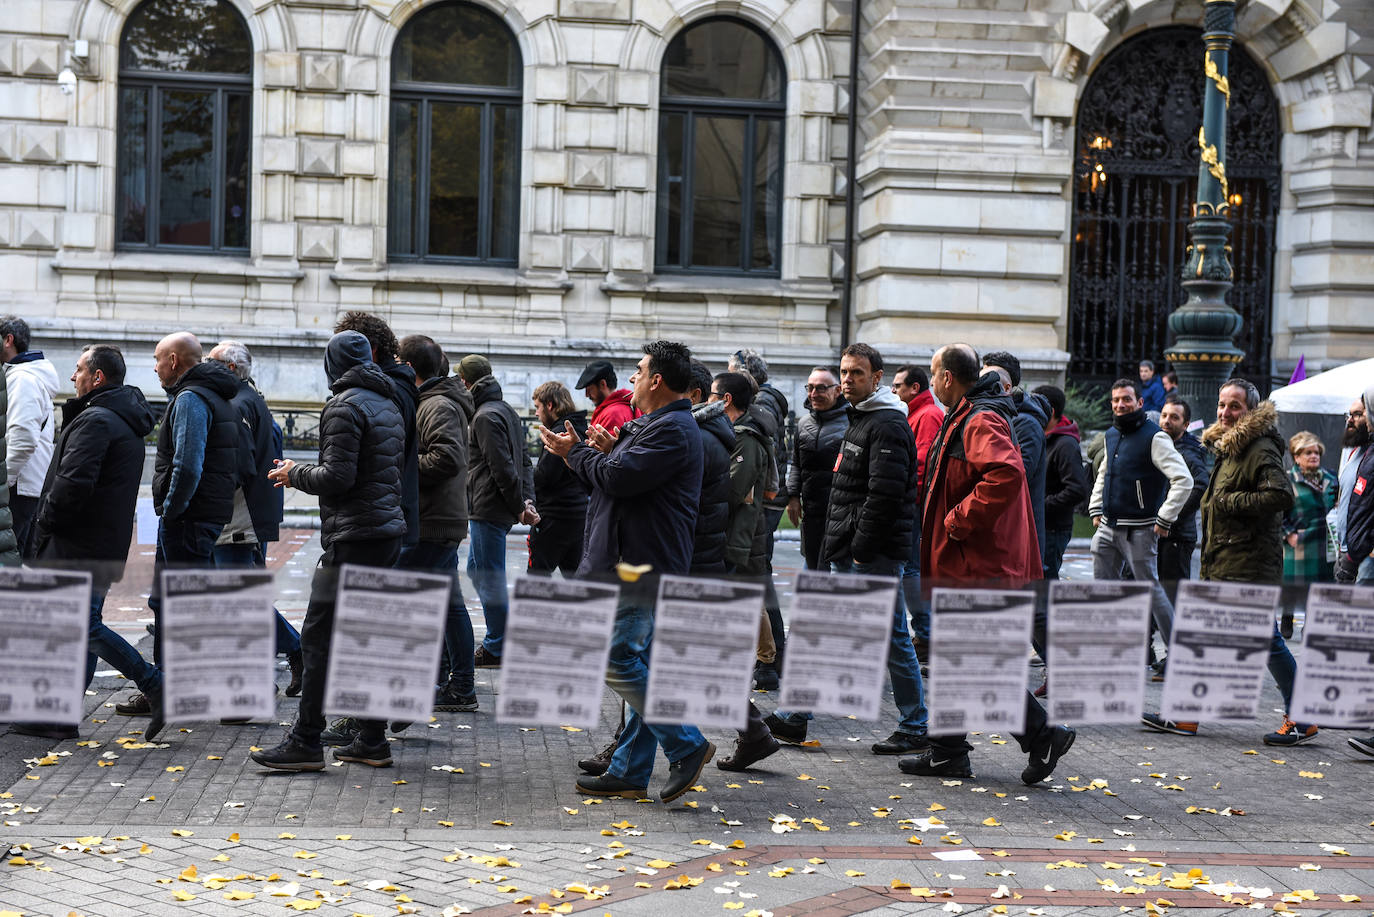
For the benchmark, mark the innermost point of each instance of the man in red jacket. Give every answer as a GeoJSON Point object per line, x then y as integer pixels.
{"type": "Point", "coordinates": [612, 409]}
{"type": "Point", "coordinates": [976, 531]}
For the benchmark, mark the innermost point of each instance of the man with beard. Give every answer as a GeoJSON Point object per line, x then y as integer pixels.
{"type": "Point", "coordinates": [1356, 442]}
{"type": "Point", "coordinates": [555, 541]}
{"type": "Point", "coordinates": [812, 469]}
{"type": "Point", "coordinates": [1176, 548]}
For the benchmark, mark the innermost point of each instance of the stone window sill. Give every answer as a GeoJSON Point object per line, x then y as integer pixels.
{"type": "Point", "coordinates": [175, 265]}
{"type": "Point", "coordinates": [495, 279]}
{"type": "Point", "coordinates": [705, 286]}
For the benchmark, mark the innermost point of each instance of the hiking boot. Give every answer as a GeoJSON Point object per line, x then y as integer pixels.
{"type": "Point", "coordinates": [791, 731]}
{"type": "Point", "coordinates": [483, 659]}
{"type": "Point", "coordinates": [749, 752]}
{"type": "Point", "coordinates": [922, 648]}
{"type": "Point", "coordinates": [155, 717]}
{"type": "Point", "coordinates": [448, 699]}
{"type": "Point", "coordinates": [297, 664]}
{"type": "Point", "coordinates": [937, 762]}
{"type": "Point", "coordinates": [1157, 670]}
{"type": "Point", "coordinates": [1364, 746]}
{"type": "Point", "coordinates": [136, 705]}
{"type": "Point", "coordinates": [359, 752]}
{"type": "Point", "coordinates": [598, 763]}
{"type": "Point", "coordinates": [765, 676]}
{"type": "Point", "coordinates": [1291, 733]}
{"type": "Point", "coordinates": [290, 755]}
{"type": "Point", "coordinates": [1044, 758]}
{"type": "Point", "coordinates": [55, 731]}
{"type": "Point", "coordinates": [606, 785]}
{"type": "Point", "coordinates": [1177, 727]}
{"type": "Point", "coordinates": [683, 774]}
{"type": "Point", "coordinates": [900, 743]}
{"type": "Point", "coordinates": [341, 732]}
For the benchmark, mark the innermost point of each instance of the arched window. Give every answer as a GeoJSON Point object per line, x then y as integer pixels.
{"type": "Point", "coordinates": [185, 127]}
{"type": "Point", "coordinates": [1135, 180]}
{"type": "Point", "coordinates": [720, 151]}
{"type": "Point", "coordinates": [455, 138]}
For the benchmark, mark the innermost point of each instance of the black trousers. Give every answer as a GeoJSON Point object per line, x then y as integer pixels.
{"type": "Point", "coordinates": [318, 632]}
{"type": "Point", "coordinates": [1037, 726]}
{"type": "Point", "coordinates": [556, 544]}
{"type": "Point", "coordinates": [1175, 563]}
{"type": "Point", "coordinates": [23, 510]}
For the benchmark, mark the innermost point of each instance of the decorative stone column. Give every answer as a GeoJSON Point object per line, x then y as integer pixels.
{"type": "Point", "coordinates": [1204, 354]}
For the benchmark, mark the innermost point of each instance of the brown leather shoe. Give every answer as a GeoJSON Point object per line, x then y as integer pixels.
{"type": "Point", "coordinates": [482, 659]}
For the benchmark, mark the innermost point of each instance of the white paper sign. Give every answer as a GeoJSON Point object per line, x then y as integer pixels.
{"type": "Point", "coordinates": [388, 626]}
{"type": "Point", "coordinates": [839, 634]}
{"type": "Point", "coordinates": [1218, 650]}
{"type": "Point", "coordinates": [979, 654]}
{"type": "Point", "coordinates": [1335, 683]}
{"type": "Point", "coordinates": [705, 639]}
{"type": "Point", "coordinates": [45, 618]}
{"type": "Point", "coordinates": [218, 644]}
{"type": "Point", "coordinates": [558, 638]}
{"type": "Point", "coordinates": [147, 521]}
{"type": "Point", "coordinates": [1097, 652]}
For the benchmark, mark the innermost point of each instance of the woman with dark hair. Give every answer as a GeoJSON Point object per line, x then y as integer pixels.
{"type": "Point", "coordinates": [1308, 553]}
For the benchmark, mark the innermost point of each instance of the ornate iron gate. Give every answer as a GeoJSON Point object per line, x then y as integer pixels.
{"type": "Point", "coordinates": [1134, 181]}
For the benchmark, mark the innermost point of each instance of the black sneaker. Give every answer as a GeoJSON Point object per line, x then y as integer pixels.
{"type": "Point", "coordinates": [600, 762]}
{"type": "Point", "coordinates": [793, 732]}
{"type": "Point", "coordinates": [1364, 746]}
{"type": "Point", "coordinates": [297, 664]}
{"type": "Point", "coordinates": [606, 785]}
{"type": "Point", "coordinates": [765, 676]}
{"type": "Point", "coordinates": [359, 752]}
{"type": "Point", "coordinates": [683, 774]}
{"type": "Point", "coordinates": [1046, 756]}
{"type": "Point", "coordinates": [900, 743]}
{"type": "Point", "coordinates": [485, 659]}
{"type": "Point", "coordinates": [400, 726]}
{"type": "Point", "coordinates": [341, 732]}
{"type": "Point", "coordinates": [937, 762]}
{"type": "Point", "coordinates": [55, 731]}
{"type": "Point", "coordinates": [136, 705]}
{"type": "Point", "coordinates": [291, 755]}
{"type": "Point", "coordinates": [155, 717]}
{"type": "Point", "coordinates": [448, 699]}
{"type": "Point", "coordinates": [749, 752]}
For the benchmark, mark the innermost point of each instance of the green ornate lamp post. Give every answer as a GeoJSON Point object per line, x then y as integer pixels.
{"type": "Point", "coordinates": [1204, 353]}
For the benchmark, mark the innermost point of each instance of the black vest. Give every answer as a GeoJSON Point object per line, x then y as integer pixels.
{"type": "Point", "coordinates": [1133, 489]}
{"type": "Point", "coordinates": [220, 476]}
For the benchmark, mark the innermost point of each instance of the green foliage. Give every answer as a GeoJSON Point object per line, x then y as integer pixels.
{"type": "Point", "coordinates": [1089, 405]}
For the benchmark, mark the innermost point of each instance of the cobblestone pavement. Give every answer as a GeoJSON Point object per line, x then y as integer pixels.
{"type": "Point", "coordinates": [483, 817]}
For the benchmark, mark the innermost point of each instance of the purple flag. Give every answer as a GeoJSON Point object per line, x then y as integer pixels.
{"type": "Point", "coordinates": [1299, 371]}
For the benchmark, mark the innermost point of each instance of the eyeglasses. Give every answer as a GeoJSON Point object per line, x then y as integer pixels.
{"type": "Point", "coordinates": [821, 388]}
{"type": "Point", "coordinates": [1350, 414]}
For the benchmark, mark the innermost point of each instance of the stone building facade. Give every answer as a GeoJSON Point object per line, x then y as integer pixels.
{"type": "Point", "coordinates": [964, 174]}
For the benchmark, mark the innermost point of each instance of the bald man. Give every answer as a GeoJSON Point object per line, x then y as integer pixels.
{"type": "Point", "coordinates": [200, 462]}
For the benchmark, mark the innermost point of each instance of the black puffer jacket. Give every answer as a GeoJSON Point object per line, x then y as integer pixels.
{"type": "Point", "coordinates": [264, 500]}
{"type": "Point", "coordinates": [713, 515]}
{"type": "Point", "coordinates": [1032, 415]}
{"type": "Point", "coordinates": [362, 452]}
{"type": "Point", "coordinates": [500, 476]}
{"type": "Point", "coordinates": [407, 398]}
{"type": "Point", "coordinates": [560, 495]}
{"type": "Point", "coordinates": [94, 476]}
{"type": "Point", "coordinates": [226, 460]}
{"type": "Point", "coordinates": [775, 403]}
{"type": "Point", "coordinates": [873, 494]}
{"type": "Point", "coordinates": [814, 448]}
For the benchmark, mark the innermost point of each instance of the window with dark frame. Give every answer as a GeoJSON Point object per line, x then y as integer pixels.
{"type": "Point", "coordinates": [720, 162]}
{"type": "Point", "coordinates": [454, 194]}
{"type": "Point", "coordinates": [184, 128]}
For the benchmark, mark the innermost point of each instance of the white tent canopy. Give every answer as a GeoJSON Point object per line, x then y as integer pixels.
{"type": "Point", "coordinates": [1330, 392]}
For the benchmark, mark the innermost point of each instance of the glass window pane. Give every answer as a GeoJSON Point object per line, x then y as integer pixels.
{"type": "Point", "coordinates": [186, 35]}
{"type": "Point", "coordinates": [671, 152]}
{"type": "Point", "coordinates": [405, 176]}
{"type": "Point", "coordinates": [456, 43]}
{"type": "Point", "coordinates": [767, 193]}
{"type": "Point", "coordinates": [717, 210]}
{"type": "Point", "coordinates": [238, 139]}
{"type": "Point", "coordinates": [505, 181]}
{"type": "Point", "coordinates": [721, 58]}
{"type": "Point", "coordinates": [186, 164]}
{"type": "Point", "coordinates": [131, 219]}
{"type": "Point", "coordinates": [455, 165]}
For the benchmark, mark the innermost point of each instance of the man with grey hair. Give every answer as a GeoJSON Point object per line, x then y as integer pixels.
{"type": "Point", "coordinates": [258, 506]}
{"type": "Point", "coordinates": [29, 423]}
{"type": "Point", "coordinates": [1355, 441]}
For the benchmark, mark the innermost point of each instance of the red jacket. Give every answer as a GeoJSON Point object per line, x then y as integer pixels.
{"type": "Point", "coordinates": [615, 411]}
{"type": "Point", "coordinates": [976, 525]}
{"type": "Point", "coordinates": [924, 415]}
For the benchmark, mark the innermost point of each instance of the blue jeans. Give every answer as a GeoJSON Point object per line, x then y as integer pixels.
{"type": "Point", "coordinates": [627, 674]}
{"type": "Point", "coordinates": [244, 554]}
{"type": "Point", "coordinates": [911, 591]}
{"type": "Point", "coordinates": [903, 669]}
{"type": "Point", "coordinates": [1283, 667]}
{"type": "Point", "coordinates": [487, 567]}
{"type": "Point", "coordinates": [441, 558]}
{"type": "Point", "coordinates": [115, 650]}
{"type": "Point", "coordinates": [180, 545]}
{"type": "Point", "coordinates": [1056, 543]}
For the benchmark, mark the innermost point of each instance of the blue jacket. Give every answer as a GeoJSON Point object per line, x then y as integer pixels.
{"type": "Point", "coordinates": [1195, 455]}
{"type": "Point", "coordinates": [645, 493]}
{"type": "Point", "coordinates": [1152, 395]}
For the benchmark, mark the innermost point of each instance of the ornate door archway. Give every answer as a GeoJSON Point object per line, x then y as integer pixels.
{"type": "Point", "coordinates": [1135, 177]}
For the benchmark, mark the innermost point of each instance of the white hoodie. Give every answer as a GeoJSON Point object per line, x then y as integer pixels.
{"type": "Point", "coordinates": [884, 399]}
{"type": "Point", "coordinates": [29, 424]}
